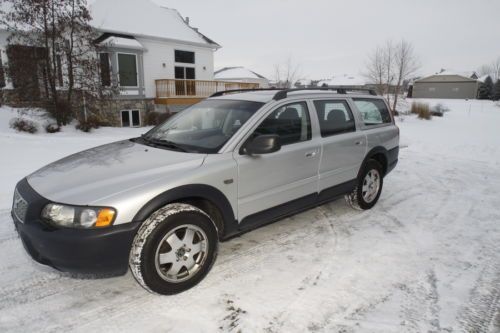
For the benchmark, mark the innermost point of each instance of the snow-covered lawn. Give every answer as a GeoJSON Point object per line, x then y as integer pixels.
{"type": "Point", "coordinates": [426, 258]}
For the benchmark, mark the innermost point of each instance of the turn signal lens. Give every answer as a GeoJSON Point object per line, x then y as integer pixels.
{"type": "Point", "coordinates": [105, 217]}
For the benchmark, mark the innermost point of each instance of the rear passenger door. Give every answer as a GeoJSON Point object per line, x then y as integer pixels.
{"type": "Point", "coordinates": [344, 147]}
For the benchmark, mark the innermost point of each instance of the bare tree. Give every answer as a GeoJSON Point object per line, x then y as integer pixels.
{"type": "Point", "coordinates": [495, 65]}
{"type": "Point", "coordinates": [375, 69]}
{"type": "Point", "coordinates": [405, 65]}
{"type": "Point", "coordinates": [286, 74]}
{"type": "Point", "coordinates": [60, 32]}
{"type": "Point", "coordinates": [492, 69]}
{"type": "Point", "coordinates": [391, 65]}
{"type": "Point", "coordinates": [389, 60]}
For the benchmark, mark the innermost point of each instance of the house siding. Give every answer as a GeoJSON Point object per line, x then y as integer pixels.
{"type": "Point", "coordinates": [157, 53]}
{"type": "Point", "coordinates": [446, 87]}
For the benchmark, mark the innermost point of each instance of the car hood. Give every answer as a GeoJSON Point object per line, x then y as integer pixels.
{"type": "Point", "coordinates": [95, 174]}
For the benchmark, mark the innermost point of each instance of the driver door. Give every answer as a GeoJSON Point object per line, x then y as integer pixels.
{"type": "Point", "coordinates": [270, 180]}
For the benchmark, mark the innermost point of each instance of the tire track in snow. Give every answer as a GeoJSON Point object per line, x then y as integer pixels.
{"type": "Point", "coordinates": [484, 300]}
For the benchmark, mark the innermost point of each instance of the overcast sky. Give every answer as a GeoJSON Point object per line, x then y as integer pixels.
{"type": "Point", "coordinates": [327, 37]}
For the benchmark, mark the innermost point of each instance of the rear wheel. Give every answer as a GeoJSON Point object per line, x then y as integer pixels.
{"type": "Point", "coordinates": [369, 187]}
{"type": "Point", "coordinates": [174, 249]}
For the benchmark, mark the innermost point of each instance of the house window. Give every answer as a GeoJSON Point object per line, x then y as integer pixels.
{"type": "Point", "coordinates": [127, 70]}
{"type": "Point", "coordinates": [185, 57]}
{"type": "Point", "coordinates": [105, 69]}
{"type": "Point", "coordinates": [185, 88]}
{"type": "Point", "coordinates": [131, 118]}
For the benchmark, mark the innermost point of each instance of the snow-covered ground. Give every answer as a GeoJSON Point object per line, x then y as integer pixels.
{"type": "Point", "coordinates": [425, 259]}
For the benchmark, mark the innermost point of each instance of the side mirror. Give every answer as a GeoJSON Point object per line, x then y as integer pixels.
{"type": "Point", "coordinates": [263, 144]}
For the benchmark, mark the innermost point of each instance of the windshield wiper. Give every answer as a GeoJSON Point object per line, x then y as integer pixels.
{"type": "Point", "coordinates": [163, 143]}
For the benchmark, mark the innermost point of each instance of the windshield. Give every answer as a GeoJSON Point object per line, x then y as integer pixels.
{"type": "Point", "coordinates": [204, 127]}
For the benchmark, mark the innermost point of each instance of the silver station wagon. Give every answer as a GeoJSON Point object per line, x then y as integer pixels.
{"type": "Point", "coordinates": [160, 203]}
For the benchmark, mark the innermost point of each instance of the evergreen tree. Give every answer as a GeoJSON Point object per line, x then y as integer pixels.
{"type": "Point", "coordinates": [496, 91]}
{"type": "Point", "coordinates": [486, 89]}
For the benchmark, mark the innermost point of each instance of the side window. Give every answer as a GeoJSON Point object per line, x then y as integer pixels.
{"type": "Point", "coordinates": [335, 117]}
{"type": "Point", "coordinates": [291, 122]}
{"type": "Point", "coordinates": [373, 111]}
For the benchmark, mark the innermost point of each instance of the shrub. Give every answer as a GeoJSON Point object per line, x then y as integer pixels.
{"type": "Point", "coordinates": [422, 110]}
{"type": "Point", "coordinates": [92, 122]}
{"type": "Point", "coordinates": [52, 128]}
{"type": "Point", "coordinates": [23, 125]}
{"type": "Point", "coordinates": [61, 112]}
{"type": "Point", "coordinates": [438, 110]}
{"type": "Point", "coordinates": [156, 118]}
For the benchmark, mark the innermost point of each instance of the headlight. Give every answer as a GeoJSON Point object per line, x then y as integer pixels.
{"type": "Point", "coordinates": [78, 217]}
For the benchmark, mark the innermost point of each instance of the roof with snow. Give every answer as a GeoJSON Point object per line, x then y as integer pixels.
{"type": "Point", "coordinates": [450, 74]}
{"type": "Point", "coordinates": [129, 43]}
{"type": "Point", "coordinates": [236, 73]}
{"type": "Point", "coordinates": [344, 80]}
{"type": "Point", "coordinates": [144, 18]}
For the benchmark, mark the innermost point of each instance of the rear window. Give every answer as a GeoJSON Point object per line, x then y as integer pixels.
{"type": "Point", "coordinates": [373, 111]}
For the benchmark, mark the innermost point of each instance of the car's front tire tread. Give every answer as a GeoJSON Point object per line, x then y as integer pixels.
{"type": "Point", "coordinates": [144, 234]}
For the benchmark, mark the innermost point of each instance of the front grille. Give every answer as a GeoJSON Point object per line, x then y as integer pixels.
{"type": "Point", "coordinates": [19, 206]}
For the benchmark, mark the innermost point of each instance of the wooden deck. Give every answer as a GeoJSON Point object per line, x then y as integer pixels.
{"type": "Point", "coordinates": [171, 91]}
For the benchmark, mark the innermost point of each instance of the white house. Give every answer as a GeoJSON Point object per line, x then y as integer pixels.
{"type": "Point", "coordinates": [241, 74]}
{"type": "Point", "coordinates": [155, 57]}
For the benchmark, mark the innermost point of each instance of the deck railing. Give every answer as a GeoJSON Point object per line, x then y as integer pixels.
{"type": "Point", "coordinates": [170, 88]}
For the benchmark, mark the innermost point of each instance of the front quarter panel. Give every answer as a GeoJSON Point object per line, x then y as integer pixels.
{"type": "Point", "coordinates": [216, 171]}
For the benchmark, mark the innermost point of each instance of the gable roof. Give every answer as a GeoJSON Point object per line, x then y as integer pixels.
{"type": "Point", "coordinates": [343, 80]}
{"type": "Point", "coordinates": [237, 73]}
{"type": "Point", "coordinates": [144, 18]}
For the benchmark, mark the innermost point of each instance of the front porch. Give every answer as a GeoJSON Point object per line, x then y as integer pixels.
{"type": "Point", "coordinates": [188, 92]}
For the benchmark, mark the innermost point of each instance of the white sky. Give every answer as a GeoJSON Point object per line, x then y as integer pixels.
{"type": "Point", "coordinates": [331, 37]}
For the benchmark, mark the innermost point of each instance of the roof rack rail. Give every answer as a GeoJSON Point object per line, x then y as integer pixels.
{"type": "Point", "coordinates": [284, 93]}
{"type": "Point", "coordinates": [224, 92]}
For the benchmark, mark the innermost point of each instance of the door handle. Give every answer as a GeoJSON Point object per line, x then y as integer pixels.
{"type": "Point", "coordinates": [311, 154]}
{"type": "Point", "coordinates": [360, 142]}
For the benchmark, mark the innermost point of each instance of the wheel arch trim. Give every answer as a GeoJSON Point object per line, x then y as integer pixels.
{"type": "Point", "coordinates": [185, 192]}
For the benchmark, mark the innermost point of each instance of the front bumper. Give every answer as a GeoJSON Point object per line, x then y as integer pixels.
{"type": "Point", "coordinates": [88, 251]}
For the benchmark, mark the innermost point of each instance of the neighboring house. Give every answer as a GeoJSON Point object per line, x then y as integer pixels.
{"type": "Point", "coordinates": [447, 84]}
{"type": "Point", "coordinates": [156, 59]}
{"type": "Point", "coordinates": [345, 81]}
{"type": "Point", "coordinates": [241, 74]}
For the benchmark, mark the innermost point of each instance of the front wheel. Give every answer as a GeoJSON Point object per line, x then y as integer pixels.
{"type": "Point", "coordinates": [369, 187]}
{"type": "Point", "coordinates": [174, 249]}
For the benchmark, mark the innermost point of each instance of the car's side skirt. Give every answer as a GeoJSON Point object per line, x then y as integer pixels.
{"type": "Point", "coordinates": [292, 207]}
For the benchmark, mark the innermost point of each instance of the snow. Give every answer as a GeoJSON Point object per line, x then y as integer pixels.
{"type": "Point", "coordinates": [344, 80]}
{"type": "Point", "coordinates": [235, 73]}
{"type": "Point", "coordinates": [425, 258]}
{"type": "Point", "coordinates": [148, 19]}
{"type": "Point", "coordinates": [127, 43]}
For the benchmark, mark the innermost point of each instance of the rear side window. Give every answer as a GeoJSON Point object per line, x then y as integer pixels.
{"type": "Point", "coordinates": [291, 122]}
{"type": "Point", "coordinates": [335, 117]}
{"type": "Point", "coordinates": [373, 111]}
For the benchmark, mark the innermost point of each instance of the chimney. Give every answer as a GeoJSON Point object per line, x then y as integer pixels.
{"type": "Point", "coordinates": [187, 20]}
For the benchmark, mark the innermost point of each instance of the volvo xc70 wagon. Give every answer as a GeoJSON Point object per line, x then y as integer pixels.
{"type": "Point", "coordinates": [160, 203]}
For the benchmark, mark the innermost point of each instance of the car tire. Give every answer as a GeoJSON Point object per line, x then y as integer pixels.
{"type": "Point", "coordinates": [369, 187]}
{"type": "Point", "coordinates": [174, 249]}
